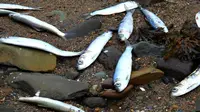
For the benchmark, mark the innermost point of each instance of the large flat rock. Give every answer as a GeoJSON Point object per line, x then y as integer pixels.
{"type": "Point", "coordinates": [49, 85]}
{"type": "Point", "coordinates": [26, 58]}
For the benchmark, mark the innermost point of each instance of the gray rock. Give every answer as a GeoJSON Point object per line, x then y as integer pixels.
{"type": "Point", "coordinates": [175, 68]}
{"type": "Point", "coordinates": [93, 102]}
{"type": "Point", "coordinates": [6, 109]}
{"type": "Point", "coordinates": [72, 75]}
{"type": "Point", "coordinates": [147, 49]}
{"type": "Point", "coordinates": [109, 57]}
{"type": "Point", "coordinates": [101, 74]}
{"type": "Point", "coordinates": [49, 85]}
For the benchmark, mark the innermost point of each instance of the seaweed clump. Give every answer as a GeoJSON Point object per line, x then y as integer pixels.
{"type": "Point", "coordinates": [183, 44]}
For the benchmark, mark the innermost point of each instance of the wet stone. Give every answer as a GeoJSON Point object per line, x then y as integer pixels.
{"type": "Point", "coordinates": [109, 57]}
{"type": "Point", "coordinates": [94, 102]}
{"type": "Point", "coordinates": [49, 85]}
{"type": "Point", "coordinates": [146, 49]}
{"type": "Point", "coordinates": [175, 68]}
{"type": "Point", "coordinates": [26, 58]}
{"type": "Point", "coordinates": [101, 74]}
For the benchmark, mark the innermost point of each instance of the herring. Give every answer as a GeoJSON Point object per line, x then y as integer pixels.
{"type": "Point", "coordinates": [197, 18]}
{"type": "Point", "coordinates": [114, 9]}
{"type": "Point", "coordinates": [37, 24]}
{"type": "Point", "coordinates": [38, 44]}
{"type": "Point", "coordinates": [126, 26]}
{"type": "Point", "coordinates": [50, 103]}
{"type": "Point", "coordinates": [16, 7]}
{"type": "Point", "coordinates": [154, 20]}
{"type": "Point", "coordinates": [6, 12]}
{"type": "Point", "coordinates": [123, 69]}
{"type": "Point", "coordinates": [188, 84]}
{"type": "Point", "coordinates": [93, 50]}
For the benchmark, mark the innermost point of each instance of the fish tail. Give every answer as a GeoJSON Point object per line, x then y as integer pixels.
{"type": "Point", "coordinates": [87, 15]}
{"type": "Point", "coordinates": [132, 11]}
{"type": "Point", "coordinates": [37, 8]}
{"type": "Point", "coordinates": [128, 44]}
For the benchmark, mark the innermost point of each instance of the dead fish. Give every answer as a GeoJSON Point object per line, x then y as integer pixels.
{"type": "Point", "coordinates": [197, 18]}
{"type": "Point", "coordinates": [114, 9]}
{"type": "Point", "coordinates": [154, 20]}
{"type": "Point", "coordinates": [17, 7]}
{"type": "Point", "coordinates": [6, 12]}
{"type": "Point", "coordinates": [37, 24]}
{"type": "Point", "coordinates": [93, 51]}
{"type": "Point", "coordinates": [50, 103]}
{"type": "Point", "coordinates": [123, 69]}
{"type": "Point", "coordinates": [188, 84]}
{"type": "Point", "coordinates": [38, 44]}
{"type": "Point", "coordinates": [126, 26]}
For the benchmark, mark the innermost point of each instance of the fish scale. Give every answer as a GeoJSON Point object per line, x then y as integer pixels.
{"type": "Point", "coordinates": [123, 70]}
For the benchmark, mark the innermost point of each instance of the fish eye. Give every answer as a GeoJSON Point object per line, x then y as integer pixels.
{"type": "Point", "coordinates": [80, 62]}
{"type": "Point", "coordinates": [117, 84]}
{"type": "Point", "coordinates": [174, 90]}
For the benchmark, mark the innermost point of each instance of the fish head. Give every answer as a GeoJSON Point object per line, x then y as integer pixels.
{"type": "Point", "coordinates": [123, 35]}
{"type": "Point", "coordinates": [14, 15]}
{"type": "Point", "coordinates": [177, 92]}
{"type": "Point", "coordinates": [81, 64]}
{"type": "Point", "coordinates": [165, 29]}
{"type": "Point", "coordinates": [85, 60]}
{"type": "Point", "coordinates": [120, 85]}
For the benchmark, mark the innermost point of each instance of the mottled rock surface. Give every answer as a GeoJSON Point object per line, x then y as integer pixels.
{"type": "Point", "coordinates": [27, 59]}
{"type": "Point", "coordinates": [49, 85]}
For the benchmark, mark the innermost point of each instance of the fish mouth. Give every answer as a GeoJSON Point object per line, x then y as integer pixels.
{"type": "Point", "coordinates": [122, 37]}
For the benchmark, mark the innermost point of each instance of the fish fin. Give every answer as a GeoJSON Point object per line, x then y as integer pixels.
{"type": "Point", "coordinates": [87, 15]}
{"type": "Point", "coordinates": [37, 29]}
{"type": "Point", "coordinates": [38, 8]}
{"type": "Point", "coordinates": [129, 10]}
{"type": "Point", "coordinates": [129, 44]}
{"type": "Point", "coordinates": [37, 94]}
{"type": "Point", "coordinates": [40, 105]}
{"type": "Point", "coordinates": [26, 13]}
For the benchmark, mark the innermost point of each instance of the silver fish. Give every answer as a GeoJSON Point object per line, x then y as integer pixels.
{"type": "Point", "coordinates": [154, 20]}
{"type": "Point", "coordinates": [197, 18]}
{"type": "Point", "coordinates": [38, 44]}
{"type": "Point", "coordinates": [16, 7]}
{"type": "Point", "coordinates": [126, 26]}
{"type": "Point", "coordinates": [6, 12]}
{"type": "Point", "coordinates": [37, 24]}
{"type": "Point", "coordinates": [50, 103]}
{"type": "Point", "coordinates": [93, 51]}
{"type": "Point", "coordinates": [114, 9]}
{"type": "Point", "coordinates": [123, 69]}
{"type": "Point", "coordinates": [188, 84]}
